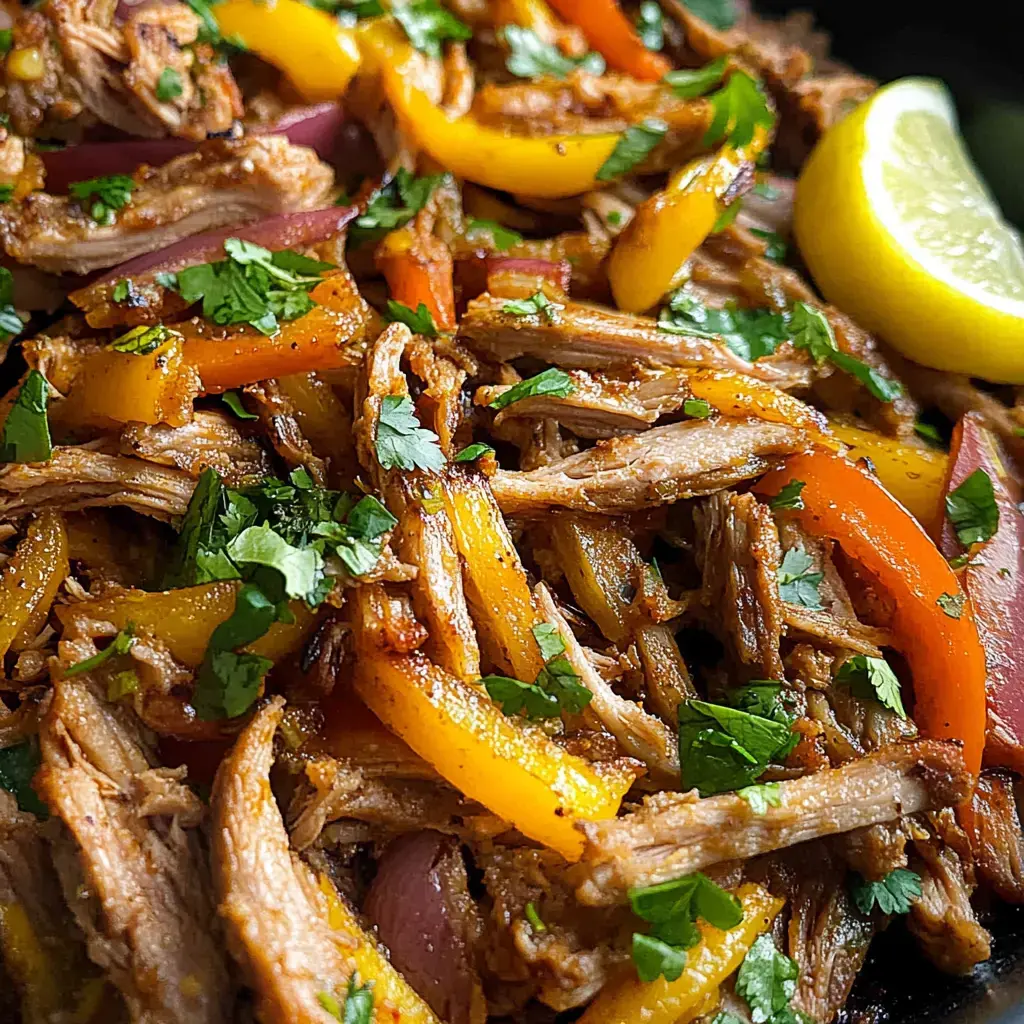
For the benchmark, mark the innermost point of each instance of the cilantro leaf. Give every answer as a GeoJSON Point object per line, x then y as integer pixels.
{"type": "Point", "coordinates": [749, 333]}
{"type": "Point", "coordinates": [725, 1017]}
{"type": "Point", "coordinates": [122, 290]}
{"type": "Point", "coordinates": [812, 331]}
{"type": "Point", "coordinates": [26, 436]}
{"type": "Point", "coordinates": [766, 979]}
{"type": "Point", "coordinates": [739, 107]}
{"type": "Point", "coordinates": [473, 452]}
{"type": "Point", "coordinates": [516, 698]}
{"type": "Point", "coordinates": [301, 568]}
{"type": "Point", "coordinates": [789, 497]}
{"type": "Point", "coordinates": [401, 442]}
{"type": "Point", "coordinates": [108, 194]}
{"type": "Point", "coordinates": [650, 25]}
{"type": "Point", "coordinates": [698, 408]}
{"type": "Point", "coordinates": [501, 237]}
{"type": "Point", "coordinates": [537, 304]}
{"type": "Point", "coordinates": [209, 30]}
{"type": "Point", "coordinates": [419, 321]}
{"type": "Point", "coordinates": [761, 796]}
{"type": "Point", "coordinates": [531, 57]}
{"type": "Point", "coordinates": [720, 14]}
{"type": "Point", "coordinates": [952, 604]}
{"type": "Point", "coordinates": [872, 677]}
{"type": "Point", "coordinates": [765, 698]}
{"type": "Point", "coordinates": [393, 205]}
{"type": "Point", "coordinates": [233, 400]}
{"type": "Point", "coordinates": [142, 340]}
{"type": "Point", "coordinates": [169, 85]}
{"type": "Point", "coordinates": [972, 509]}
{"type": "Point", "coordinates": [428, 25]}
{"type": "Point", "coordinates": [18, 764]}
{"type": "Point", "coordinates": [776, 248]}
{"type": "Point", "coordinates": [6, 41]}
{"type": "Point", "coordinates": [358, 541]}
{"type": "Point", "coordinates": [559, 679]}
{"type": "Point", "coordinates": [358, 1003]}
{"type": "Point", "coordinates": [195, 531]}
{"type": "Point", "coordinates": [530, 910]}
{"type": "Point", "coordinates": [10, 323]}
{"type": "Point", "coordinates": [930, 433]}
{"type": "Point", "coordinates": [6, 191]}
{"type": "Point", "coordinates": [121, 644]}
{"type": "Point", "coordinates": [797, 584]}
{"type": "Point", "coordinates": [894, 894]}
{"type": "Point", "coordinates": [554, 382]}
{"type": "Point", "coordinates": [549, 640]}
{"type": "Point", "coordinates": [654, 958]}
{"type": "Point", "coordinates": [632, 148]}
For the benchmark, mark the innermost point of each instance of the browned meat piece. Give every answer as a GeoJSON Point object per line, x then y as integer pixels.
{"type": "Point", "coordinates": [995, 834]}
{"type": "Point", "coordinates": [810, 107]}
{"type": "Point", "coordinates": [444, 366]}
{"type": "Point", "coordinates": [738, 551]}
{"type": "Point", "coordinates": [772, 212]}
{"type": "Point", "coordinates": [279, 422]}
{"type": "Point", "coordinates": [658, 467]}
{"type": "Point", "coordinates": [59, 358]}
{"type": "Point", "coordinates": [96, 64]}
{"type": "Point", "coordinates": [223, 182]}
{"type": "Point", "coordinates": [30, 900]}
{"type": "Point", "coordinates": [81, 477]}
{"type": "Point", "coordinates": [876, 850]}
{"type": "Point", "coordinates": [943, 919]}
{"type": "Point", "coordinates": [211, 440]}
{"type": "Point", "coordinates": [137, 880]}
{"type": "Point", "coordinates": [601, 405]}
{"type": "Point", "coordinates": [847, 634]}
{"type": "Point", "coordinates": [676, 833]}
{"type": "Point", "coordinates": [420, 904]}
{"type": "Point", "coordinates": [592, 338]}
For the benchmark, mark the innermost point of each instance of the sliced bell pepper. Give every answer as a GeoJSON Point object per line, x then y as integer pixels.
{"type": "Point", "coordinates": [30, 579]}
{"type": "Point", "coordinates": [913, 476]}
{"type": "Point", "coordinates": [550, 167]}
{"type": "Point", "coordinates": [609, 32]}
{"type": "Point", "coordinates": [317, 54]}
{"type": "Point", "coordinates": [419, 269]}
{"type": "Point", "coordinates": [847, 504]}
{"type": "Point", "coordinates": [994, 581]}
{"type": "Point", "coordinates": [668, 227]}
{"type": "Point", "coordinates": [708, 964]}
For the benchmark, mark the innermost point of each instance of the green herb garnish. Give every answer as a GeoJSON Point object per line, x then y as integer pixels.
{"type": "Point", "coordinates": [797, 583]}
{"type": "Point", "coordinates": [121, 644]}
{"type": "Point", "coordinates": [872, 677]}
{"type": "Point", "coordinates": [501, 237]}
{"type": "Point", "coordinates": [107, 195]}
{"type": "Point", "coordinates": [169, 85]}
{"type": "Point", "coordinates": [428, 25]}
{"type": "Point", "coordinates": [972, 509]}
{"type": "Point", "coordinates": [26, 436]}
{"type": "Point", "coordinates": [537, 304]}
{"type": "Point", "coordinates": [401, 442]}
{"type": "Point", "coordinates": [650, 25]}
{"type": "Point", "coordinates": [894, 894]}
{"type": "Point", "coordinates": [531, 57]}
{"type": "Point", "coordinates": [789, 497]}
{"type": "Point", "coordinates": [633, 147]}
{"type": "Point", "coordinates": [553, 382]}
{"type": "Point", "coordinates": [419, 321]}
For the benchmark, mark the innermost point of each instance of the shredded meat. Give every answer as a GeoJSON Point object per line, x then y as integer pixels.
{"type": "Point", "coordinates": [80, 477]}
{"type": "Point", "coordinates": [145, 904]}
{"type": "Point", "coordinates": [995, 833]}
{"type": "Point", "coordinates": [281, 425]}
{"type": "Point", "coordinates": [676, 833]}
{"type": "Point", "coordinates": [223, 182]}
{"type": "Point", "coordinates": [658, 467]}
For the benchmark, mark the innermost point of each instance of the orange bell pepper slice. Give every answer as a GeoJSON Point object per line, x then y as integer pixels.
{"type": "Point", "coordinates": [610, 32]}
{"type": "Point", "coordinates": [419, 269]}
{"type": "Point", "coordinates": [847, 504]}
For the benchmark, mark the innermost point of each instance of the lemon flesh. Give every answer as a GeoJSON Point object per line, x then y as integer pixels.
{"type": "Point", "coordinates": [897, 229]}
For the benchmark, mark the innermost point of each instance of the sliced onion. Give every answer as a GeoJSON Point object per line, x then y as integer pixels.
{"type": "Point", "coordinates": [474, 271]}
{"type": "Point", "coordinates": [320, 127]}
{"type": "Point", "coordinates": [413, 902]}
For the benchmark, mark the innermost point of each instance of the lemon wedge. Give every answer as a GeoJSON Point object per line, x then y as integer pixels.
{"type": "Point", "coordinates": [898, 230]}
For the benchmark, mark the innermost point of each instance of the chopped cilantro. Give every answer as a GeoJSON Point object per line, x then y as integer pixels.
{"type": "Point", "coordinates": [518, 698]}
{"type": "Point", "coordinates": [473, 452]}
{"type": "Point", "coordinates": [393, 205]}
{"type": "Point", "coordinates": [748, 333]}
{"type": "Point", "coordinates": [776, 244]}
{"type": "Point", "coordinates": [26, 435]}
{"type": "Point", "coordinates": [401, 442]}
{"type": "Point", "coordinates": [972, 509]}
{"type": "Point", "coordinates": [169, 85]}
{"type": "Point", "coordinates": [766, 980]}
{"type": "Point", "coordinates": [727, 216]}
{"type": "Point", "coordinates": [121, 685]}
{"type": "Point", "coordinates": [739, 108]}
{"type": "Point", "coordinates": [797, 584]}
{"type": "Point", "coordinates": [720, 14]}
{"type": "Point", "coordinates": [554, 382]}
{"type": "Point", "coordinates": [761, 796]}
{"type": "Point", "coordinates": [654, 958]}
{"type": "Point", "coordinates": [538, 304]}
{"type": "Point", "coordinates": [428, 25]}
{"type": "Point", "coordinates": [419, 321]}
{"type": "Point", "coordinates": [121, 644]}
{"type": "Point", "coordinates": [6, 40]}
{"type": "Point", "coordinates": [10, 323]}
{"type": "Point", "coordinates": [209, 30]}
{"type": "Point", "coordinates": [632, 148]}
{"type": "Point", "coordinates": [698, 408]}
{"type": "Point", "coordinates": [614, 218]}
{"type": "Point", "coordinates": [766, 191]}
{"type": "Point", "coordinates": [650, 25]}
{"type": "Point", "coordinates": [501, 237]}
{"type": "Point", "coordinates": [952, 604]}
{"type": "Point", "coordinates": [872, 677]}
{"type": "Point", "coordinates": [122, 290]}
{"type": "Point", "coordinates": [930, 433]}
{"type": "Point", "coordinates": [108, 194]}
{"type": "Point", "coordinates": [142, 340]}
{"type": "Point", "coordinates": [534, 918]}
{"type": "Point", "coordinates": [18, 764]}
{"type": "Point", "coordinates": [894, 894]}
{"type": "Point", "coordinates": [531, 57]}
{"type": "Point", "coordinates": [233, 400]}
{"type": "Point", "coordinates": [301, 568]}
{"type": "Point", "coordinates": [789, 497]}
{"type": "Point", "coordinates": [6, 192]}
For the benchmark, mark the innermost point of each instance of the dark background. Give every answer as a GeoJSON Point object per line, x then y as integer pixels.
{"type": "Point", "coordinates": [975, 46]}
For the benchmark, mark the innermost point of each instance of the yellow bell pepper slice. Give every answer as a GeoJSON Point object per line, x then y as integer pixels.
{"type": "Point", "coordinates": [509, 766]}
{"type": "Point", "coordinates": [184, 619]}
{"type": "Point", "coordinates": [29, 580]}
{"type": "Point", "coordinates": [669, 226]}
{"type": "Point", "coordinates": [915, 477]}
{"type": "Point", "coordinates": [317, 54]}
{"type": "Point", "coordinates": [708, 964]}
{"type": "Point", "coordinates": [550, 167]}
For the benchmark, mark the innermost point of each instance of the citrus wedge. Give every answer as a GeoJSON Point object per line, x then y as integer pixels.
{"type": "Point", "coordinates": [898, 230]}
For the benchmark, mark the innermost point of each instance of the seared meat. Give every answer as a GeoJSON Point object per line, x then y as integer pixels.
{"type": "Point", "coordinates": [676, 833]}
{"type": "Point", "coordinates": [876, 850]}
{"type": "Point", "coordinates": [943, 919]}
{"type": "Point", "coordinates": [590, 338]}
{"type": "Point", "coordinates": [640, 735]}
{"type": "Point", "coordinates": [995, 833]}
{"type": "Point", "coordinates": [211, 440]}
{"type": "Point", "coordinates": [109, 68]}
{"type": "Point", "coordinates": [81, 477]}
{"type": "Point", "coordinates": [738, 551]}
{"type": "Point", "coordinates": [223, 182]}
{"type": "Point", "coordinates": [142, 896]}
{"type": "Point", "coordinates": [444, 366]}
{"type": "Point", "coordinates": [281, 425]}
{"type": "Point", "coordinates": [278, 916]}
{"type": "Point", "coordinates": [658, 467]}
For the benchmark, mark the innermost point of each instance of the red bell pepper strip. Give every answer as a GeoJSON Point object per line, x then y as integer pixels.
{"type": "Point", "coordinates": [609, 32]}
{"type": "Point", "coordinates": [994, 581]}
{"type": "Point", "coordinates": [845, 503]}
